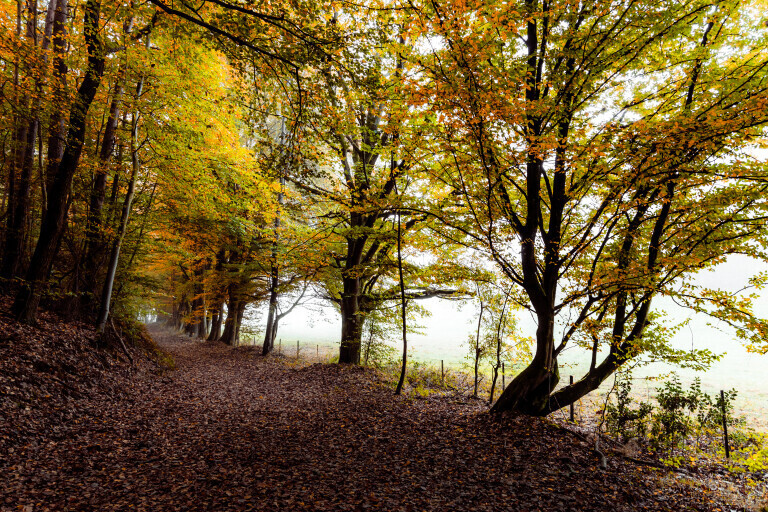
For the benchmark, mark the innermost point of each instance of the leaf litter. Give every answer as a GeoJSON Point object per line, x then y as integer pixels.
{"type": "Point", "coordinates": [82, 429]}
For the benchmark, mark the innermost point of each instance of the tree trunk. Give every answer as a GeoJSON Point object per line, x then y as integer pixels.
{"type": "Point", "coordinates": [140, 236]}
{"type": "Point", "coordinates": [198, 318]}
{"type": "Point", "coordinates": [240, 313]}
{"type": "Point", "coordinates": [57, 126]}
{"type": "Point", "coordinates": [231, 333]}
{"type": "Point", "coordinates": [48, 33]}
{"type": "Point", "coordinates": [351, 322]}
{"type": "Point", "coordinates": [529, 392]}
{"type": "Point", "coordinates": [228, 336]}
{"type": "Point", "coordinates": [198, 301]}
{"type": "Point", "coordinates": [271, 331]}
{"type": "Point", "coordinates": [191, 327]}
{"type": "Point", "coordinates": [499, 332]}
{"type": "Point", "coordinates": [175, 320]}
{"type": "Point", "coordinates": [94, 245]}
{"type": "Point", "coordinates": [109, 280]}
{"type": "Point", "coordinates": [235, 309]}
{"type": "Point", "coordinates": [54, 220]}
{"type": "Point", "coordinates": [494, 378]}
{"type": "Point", "coordinates": [217, 301]}
{"type": "Point", "coordinates": [204, 325]}
{"type": "Point", "coordinates": [403, 305]}
{"type": "Point", "coordinates": [19, 181]}
{"type": "Point", "coordinates": [218, 314]}
{"type": "Point", "coordinates": [478, 350]}
{"type": "Point", "coordinates": [274, 282]}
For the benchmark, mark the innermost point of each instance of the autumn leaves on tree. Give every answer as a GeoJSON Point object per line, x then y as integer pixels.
{"type": "Point", "coordinates": [593, 155]}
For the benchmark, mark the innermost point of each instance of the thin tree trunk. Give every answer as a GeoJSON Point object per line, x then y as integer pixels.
{"type": "Point", "coordinates": [477, 345]}
{"type": "Point", "coordinates": [367, 351]}
{"type": "Point", "coordinates": [140, 236]}
{"type": "Point", "coordinates": [271, 330]}
{"type": "Point", "coordinates": [110, 214]}
{"type": "Point", "coordinates": [272, 320]}
{"type": "Point", "coordinates": [274, 282]}
{"type": "Point", "coordinates": [280, 316]}
{"type": "Point", "coordinates": [94, 246]}
{"type": "Point", "coordinates": [109, 280]}
{"type": "Point", "coordinates": [9, 244]}
{"type": "Point", "coordinates": [57, 125]}
{"type": "Point", "coordinates": [175, 319]}
{"type": "Point", "coordinates": [198, 312]}
{"type": "Point", "coordinates": [204, 325]}
{"type": "Point", "coordinates": [215, 332]}
{"type": "Point", "coordinates": [499, 332]}
{"type": "Point", "coordinates": [403, 305]}
{"type": "Point", "coordinates": [240, 313]}
{"type": "Point", "coordinates": [218, 307]}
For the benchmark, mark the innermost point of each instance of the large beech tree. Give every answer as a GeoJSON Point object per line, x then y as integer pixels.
{"type": "Point", "coordinates": [357, 143]}
{"type": "Point", "coordinates": [600, 152]}
{"type": "Point", "coordinates": [348, 118]}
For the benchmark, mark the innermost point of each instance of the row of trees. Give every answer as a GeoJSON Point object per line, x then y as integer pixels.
{"type": "Point", "coordinates": [103, 142]}
{"type": "Point", "coordinates": [592, 155]}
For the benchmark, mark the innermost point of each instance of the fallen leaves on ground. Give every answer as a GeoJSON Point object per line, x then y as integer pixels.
{"type": "Point", "coordinates": [81, 429]}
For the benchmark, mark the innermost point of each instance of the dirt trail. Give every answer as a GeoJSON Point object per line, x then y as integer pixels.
{"type": "Point", "coordinates": [228, 430]}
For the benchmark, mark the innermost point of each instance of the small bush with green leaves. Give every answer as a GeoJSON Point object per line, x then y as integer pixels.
{"type": "Point", "coordinates": [684, 417]}
{"type": "Point", "coordinates": [714, 417]}
{"type": "Point", "coordinates": [623, 420]}
{"type": "Point", "coordinates": [685, 414]}
{"type": "Point", "coordinates": [678, 412]}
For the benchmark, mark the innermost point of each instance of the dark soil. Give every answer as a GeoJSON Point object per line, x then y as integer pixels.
{"type": "Point", "coordinates": [83, 429]}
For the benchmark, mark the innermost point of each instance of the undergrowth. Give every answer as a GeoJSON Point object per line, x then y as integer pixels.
{"type": "Point", "coordinates": [686, 426]}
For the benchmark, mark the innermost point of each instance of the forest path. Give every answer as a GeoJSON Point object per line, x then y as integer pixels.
{"type": "Point", "coordinates": [229, 430]}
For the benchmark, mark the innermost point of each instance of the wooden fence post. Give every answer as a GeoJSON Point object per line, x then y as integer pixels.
{"type": "Point", "coordinates": [442, 373]}
{"type": "Point", "coordinates": [572, 402]}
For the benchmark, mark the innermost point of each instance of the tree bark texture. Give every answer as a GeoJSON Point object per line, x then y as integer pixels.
{"type": "Point", "coordinates": [351, 322]}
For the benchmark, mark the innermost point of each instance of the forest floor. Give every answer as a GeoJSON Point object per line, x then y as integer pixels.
{"type": "Point", "coordinates": [83, 429]}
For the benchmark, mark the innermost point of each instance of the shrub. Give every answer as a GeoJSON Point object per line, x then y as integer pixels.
{"type": "Point", "coordinates": [673, 422]}
{"type": "Point", "coordinates": [622, 420]}
{"type": "Point", "coordinates": [685, 418]}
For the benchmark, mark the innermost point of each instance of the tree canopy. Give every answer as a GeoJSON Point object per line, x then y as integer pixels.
{"type": "Point", "coordinates": [195, 160]}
